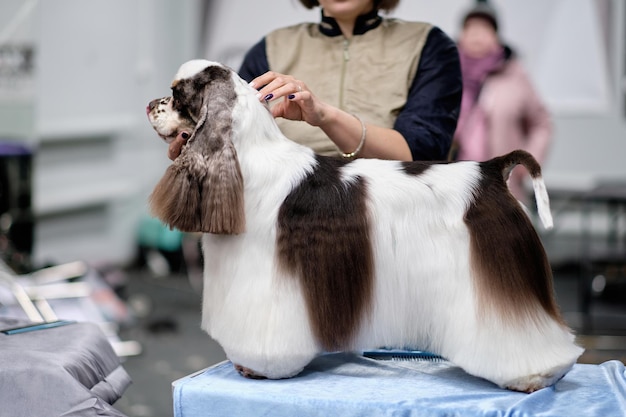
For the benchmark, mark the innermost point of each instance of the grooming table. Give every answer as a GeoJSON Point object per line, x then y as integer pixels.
{"type": "Point", "coordinates": [58, 369]}
{"type": "Point", "coordinates": [352, 385]}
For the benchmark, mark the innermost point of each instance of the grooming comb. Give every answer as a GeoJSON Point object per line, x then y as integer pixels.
{"type": "Point", "coordinates": [402, 355]}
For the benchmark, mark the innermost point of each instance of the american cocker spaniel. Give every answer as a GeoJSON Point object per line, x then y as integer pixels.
{"type": "Point", "coordinates": [306, 254]}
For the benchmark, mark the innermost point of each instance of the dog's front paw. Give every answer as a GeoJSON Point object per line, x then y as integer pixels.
{"type": "Point", "coordinates": [247, 372]}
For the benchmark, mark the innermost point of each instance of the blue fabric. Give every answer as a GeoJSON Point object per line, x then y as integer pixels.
{"type": "Point", "coordinates": [351, 385]}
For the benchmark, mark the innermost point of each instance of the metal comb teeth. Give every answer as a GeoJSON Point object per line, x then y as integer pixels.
{"type": "Point", "coordinates": [402, 355]}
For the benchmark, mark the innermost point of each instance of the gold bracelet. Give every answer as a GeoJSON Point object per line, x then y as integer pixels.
{"type": "Point", "coordinates": [361, 143]}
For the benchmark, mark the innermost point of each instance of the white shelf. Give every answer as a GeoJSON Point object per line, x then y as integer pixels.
{"type": "Point", "coordinates": [85, 127]}
{"type": "Point", "coordinates": [77, 197]}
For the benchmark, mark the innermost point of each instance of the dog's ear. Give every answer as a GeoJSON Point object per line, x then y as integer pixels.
{"type": "Point", "coordinates": [202, 191]}
{"type": "Point", "coordinates": [176, 198]}
{"type": "Point", "coordinates": [222, 204]}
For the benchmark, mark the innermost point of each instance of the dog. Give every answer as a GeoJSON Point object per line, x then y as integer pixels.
{"type": "Point", "coordinates": [306, 254]}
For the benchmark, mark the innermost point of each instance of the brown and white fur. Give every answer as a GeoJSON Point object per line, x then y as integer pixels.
{"type": "Point", "coordinates": [306, 254]}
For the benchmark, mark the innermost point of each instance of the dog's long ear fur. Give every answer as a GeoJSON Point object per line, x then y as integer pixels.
{"type": "Point", "coordinates": [202, 191]}
{"type": "Point", "coordinates": [176, 199]}
{"type": "Point", "coordinates": [222, 204]}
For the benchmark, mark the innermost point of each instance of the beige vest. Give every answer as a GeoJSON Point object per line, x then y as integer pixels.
{"type": "Point", "coordinates": [369, 75]}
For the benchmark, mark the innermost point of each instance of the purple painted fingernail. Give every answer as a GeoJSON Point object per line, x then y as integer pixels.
{"type": "Point", "coordinates": [268, 97]}
{"type": "Point", "coordinates": [291, 96]}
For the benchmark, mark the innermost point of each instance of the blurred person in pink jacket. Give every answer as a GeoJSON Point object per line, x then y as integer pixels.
{"type": "Point", "coordinates": [500, 109]}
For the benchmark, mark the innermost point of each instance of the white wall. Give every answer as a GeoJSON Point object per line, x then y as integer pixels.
{"type": "Point", "coordinates": [17, 31]}
{"type": "Point", "coordinates": [98, 63]}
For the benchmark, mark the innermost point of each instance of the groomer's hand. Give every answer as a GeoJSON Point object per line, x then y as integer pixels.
{"type": "Point", "coordinates": [299, 103]}
{"type": "Point", "coordinates": [343, 128]}
{"type": "Point", "coordinates": [177, 144]}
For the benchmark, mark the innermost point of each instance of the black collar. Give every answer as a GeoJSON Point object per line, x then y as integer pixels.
{"type": "Point", "coordinates": [368, 21]}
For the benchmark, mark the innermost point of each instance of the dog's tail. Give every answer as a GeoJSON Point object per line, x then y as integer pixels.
{"type": "Point", "coordinates": [509, 161]}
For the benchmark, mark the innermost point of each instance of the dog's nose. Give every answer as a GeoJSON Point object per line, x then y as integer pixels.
{"type": "Point", "coordinates": [152, 105]}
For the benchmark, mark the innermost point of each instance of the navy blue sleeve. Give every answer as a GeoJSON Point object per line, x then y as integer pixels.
{"type": "Point", "coordinates": [428, 120]}
{"type": "Point", "coordinates": [255, 62]}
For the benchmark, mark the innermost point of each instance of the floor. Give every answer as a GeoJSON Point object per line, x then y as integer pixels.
{"type": "Point", "coordinates": [167, 326]}
{"type": "Point", "coordinates": [172, 343]}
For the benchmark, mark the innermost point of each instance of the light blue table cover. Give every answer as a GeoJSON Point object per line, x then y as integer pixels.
{"type": "Point", "coordinates": [351, 385]}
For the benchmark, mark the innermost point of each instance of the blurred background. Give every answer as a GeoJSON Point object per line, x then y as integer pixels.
{"type": "Point", "coordinates": [80, 158]}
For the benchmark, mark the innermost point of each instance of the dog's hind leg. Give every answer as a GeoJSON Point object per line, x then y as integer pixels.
{"type": "Point", "coordinates": [526, 354]}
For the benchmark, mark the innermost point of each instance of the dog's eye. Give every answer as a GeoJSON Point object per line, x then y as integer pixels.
{"type": "Point", "coordinates": [176, 93]}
